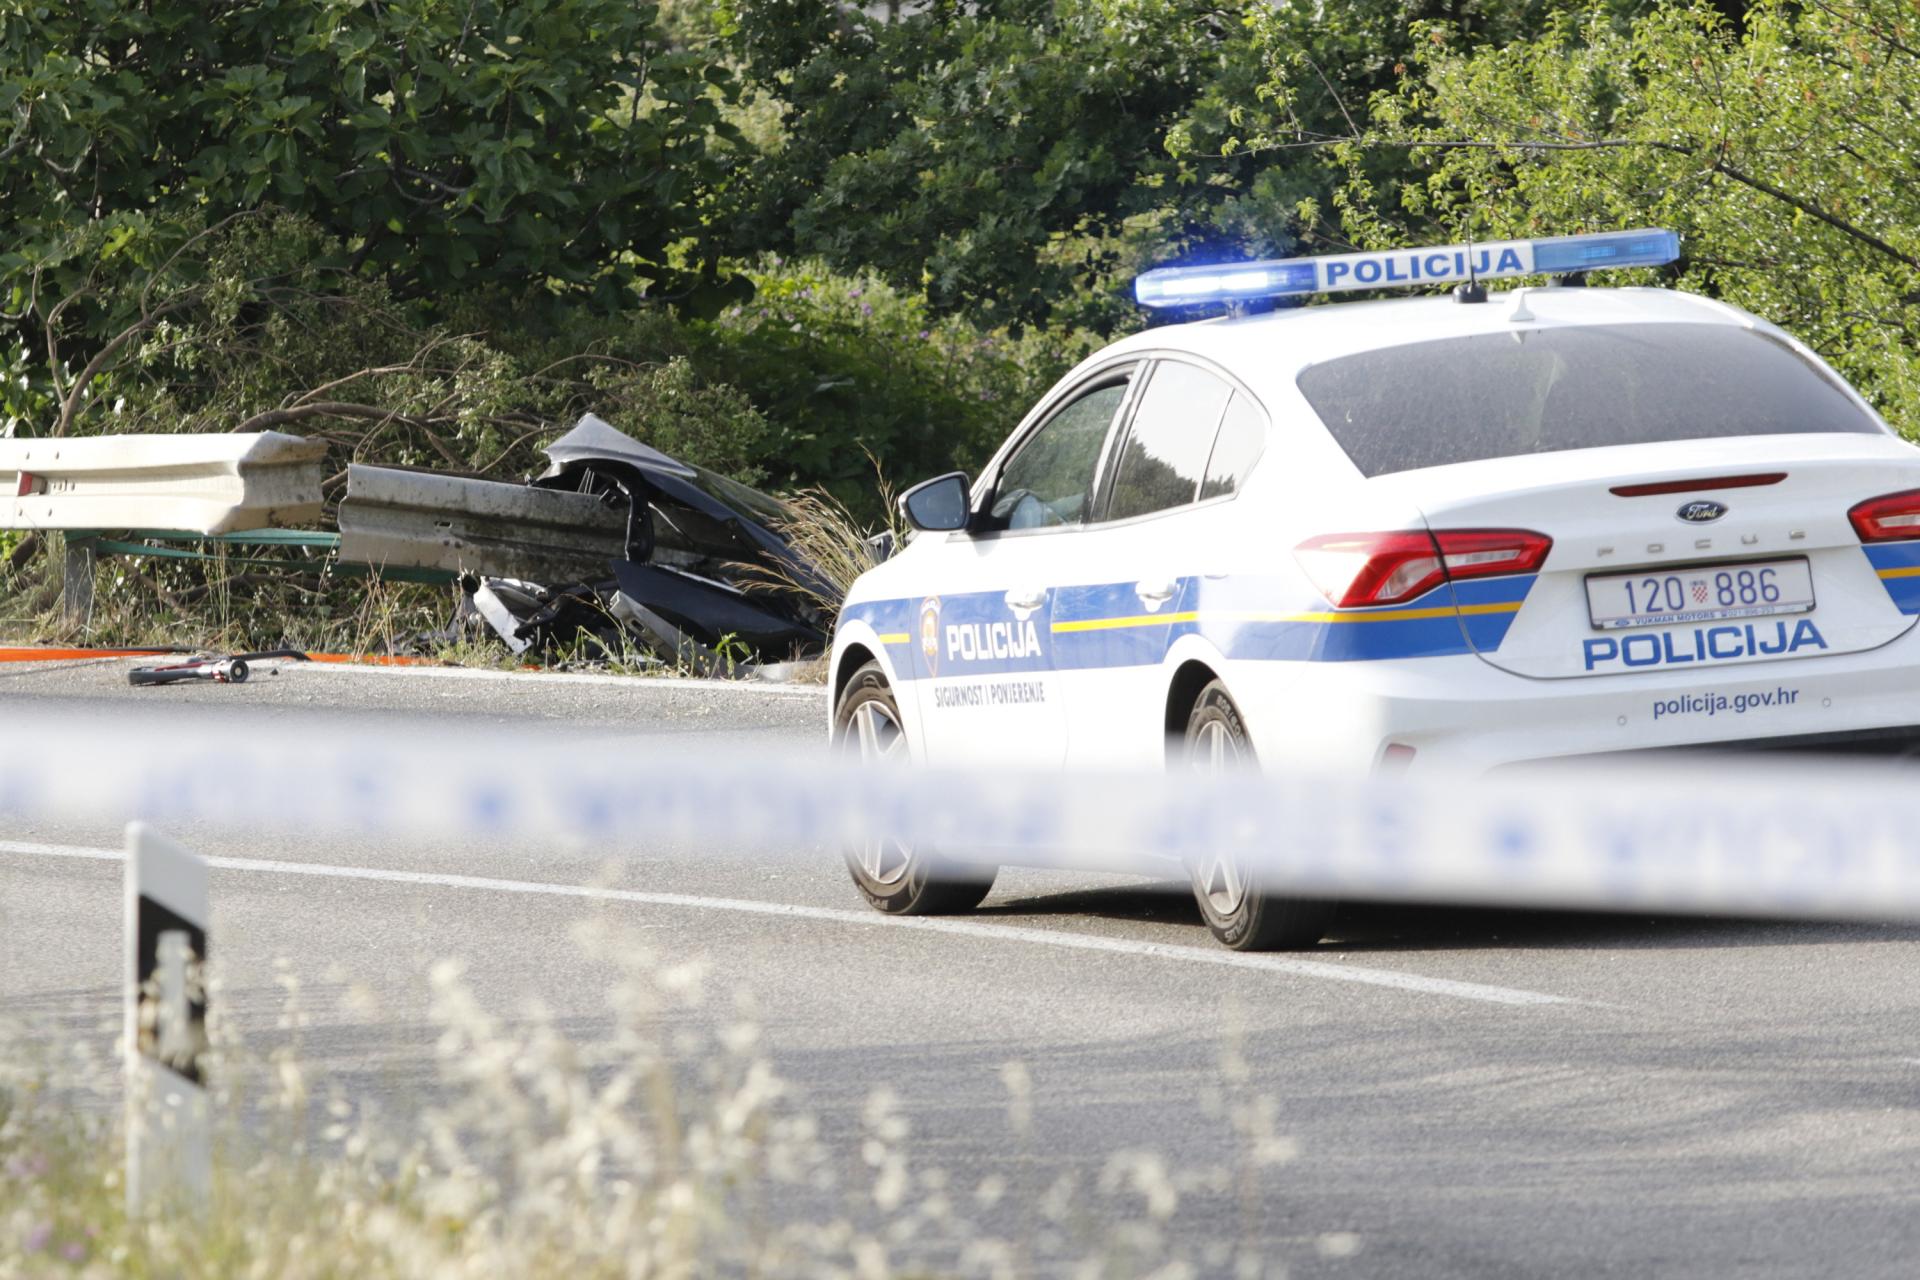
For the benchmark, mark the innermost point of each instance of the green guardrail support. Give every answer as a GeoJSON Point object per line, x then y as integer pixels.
{"type": "Point", "coordinates": [85, 548]}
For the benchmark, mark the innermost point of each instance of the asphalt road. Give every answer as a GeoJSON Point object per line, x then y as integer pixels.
{"type": "Point", "coordinates": [1469, 1092]}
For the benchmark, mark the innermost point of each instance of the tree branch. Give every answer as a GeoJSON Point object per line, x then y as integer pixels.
{"type": "Point", "coordinates": [413, 365]}
{"type": "Point", "coordinates": [1813, 211]}
{"type": "Point", "coordinates": [69, 407]}
{"type": "Point", "coordinates": [1719, 166]}
{"type": "Point", "coordinates": [24, 553]}
{"type": "Point", "coordinates": [323, 409]}
{"type": "Point", "coordinates": [423, 176]}
{"type": "Point", "coordinates": [346, 409]}
{"type": "Point", "coordinates": [154, 277]}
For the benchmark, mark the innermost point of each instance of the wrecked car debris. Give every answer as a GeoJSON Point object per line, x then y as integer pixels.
{"type": "Point", "coordinates": [530, 618]}
{"type": "Point", "coordinates": [686, 518]}
{"type": "Point", "coordinates": [615, 542]}
{"type": "Point", "coordinates": [684, 622]}
{"type": "Point", "coordinates": [217, 670]}
{"type": "Point", "coordinates": [710, 612]}
{"type": "Point", "coordinates": [229, 669]}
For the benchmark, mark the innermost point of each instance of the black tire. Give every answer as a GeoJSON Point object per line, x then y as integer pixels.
{"type": "Point", "coordinates": [894, 878]}
{"type": "Point", "coordinates": [1236, 908]}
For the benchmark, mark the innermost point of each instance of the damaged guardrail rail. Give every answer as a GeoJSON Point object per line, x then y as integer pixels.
{"type": "Point", "coordinates": [417, 519]}
{"type": "Point", "coordinates": [616, 549]}
{"type": "Point", "coordinates": [1803, 838]}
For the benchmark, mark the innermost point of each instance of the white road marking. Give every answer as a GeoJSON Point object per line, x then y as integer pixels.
{"type": "Point", "coordinates": [279, 666]}
{"type": "Point", "coordinates": [1290, 965]}
{"type": "Point", "coordinates": [753, 686]}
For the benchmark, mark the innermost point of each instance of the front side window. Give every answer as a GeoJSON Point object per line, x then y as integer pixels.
{"type": "Point", "coordinates": [1165, 454]}
{"type": "Point", "coordinates": [1049, 481]}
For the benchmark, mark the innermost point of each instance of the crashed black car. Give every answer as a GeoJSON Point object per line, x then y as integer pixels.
{"type": "Point", "coordinates": [704, 566]}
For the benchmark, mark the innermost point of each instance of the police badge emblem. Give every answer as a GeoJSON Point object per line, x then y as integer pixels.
{"type": "Point", "coordinates": [930, 633]}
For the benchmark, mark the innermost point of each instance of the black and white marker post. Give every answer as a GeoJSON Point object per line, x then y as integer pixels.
{"type": "Point", "coordinates": [166, 1019]}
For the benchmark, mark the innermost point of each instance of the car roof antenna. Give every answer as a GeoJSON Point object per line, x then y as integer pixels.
{"type": "Point", "coordinates": [1470, 290]}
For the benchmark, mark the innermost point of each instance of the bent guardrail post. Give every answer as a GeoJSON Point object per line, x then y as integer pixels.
{"type": "Point", "coordinates": [76, 580]}
{"type": "Point", "coordinates": [168, 1156]}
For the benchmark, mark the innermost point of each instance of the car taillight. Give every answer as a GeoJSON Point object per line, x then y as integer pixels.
{"type": "Point", "coordinates": [1354, 570]}
{"type": "Point", "coordinates": [1892, 517]}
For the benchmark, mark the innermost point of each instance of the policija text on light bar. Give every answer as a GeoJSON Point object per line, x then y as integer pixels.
{"type": "Point", "coordinates": [1405, 268]}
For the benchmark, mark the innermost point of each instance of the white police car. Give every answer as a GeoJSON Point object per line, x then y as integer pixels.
{"type": "Point", "coordinates": [1406, 534]}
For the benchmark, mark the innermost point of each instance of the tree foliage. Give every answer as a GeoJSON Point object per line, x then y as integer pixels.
{"type": "Point", "coordinates": [1020, 159]}
{"type": "Point", "coordinates": [987, 153]}
{"type": "Point", "coordinates": [267, 207]}
{"type": "Point", "coordinates": [1782, 149]}
{"type": "Point", "coordinates": [442, 142]}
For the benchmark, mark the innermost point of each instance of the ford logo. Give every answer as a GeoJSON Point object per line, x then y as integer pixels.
{"type": "Point", "coordinates": [1702, 512]}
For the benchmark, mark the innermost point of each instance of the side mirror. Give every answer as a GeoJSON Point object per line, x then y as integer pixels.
{"type": "Point", "coordinates": [939, 504]}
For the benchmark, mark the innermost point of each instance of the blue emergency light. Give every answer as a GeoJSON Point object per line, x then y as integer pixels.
{"type": "Point", "coordinates": [1405, 268]}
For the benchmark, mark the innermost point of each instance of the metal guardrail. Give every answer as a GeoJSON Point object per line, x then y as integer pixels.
{"type": "Point", "coordinates": [417, 520]}
{"type": "Point", "coordinates": [205, 484]}
{"type": "Point", "coordinates": [190, 485]}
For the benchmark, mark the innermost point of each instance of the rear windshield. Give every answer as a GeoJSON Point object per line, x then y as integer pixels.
{"type": "Point", "coordinates": [1496, 395]}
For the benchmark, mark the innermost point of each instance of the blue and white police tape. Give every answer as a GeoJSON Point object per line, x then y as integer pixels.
{"type": "Point", "coordinates": [1799, 839]}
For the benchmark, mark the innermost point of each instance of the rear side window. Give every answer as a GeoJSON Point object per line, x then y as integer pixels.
{"type": "Point", "coordinates": [1243, 435]}
{"type": "Point", "coordinates": [1499, 395]}
{"type": "Point", "coordinates": [1165, 454]}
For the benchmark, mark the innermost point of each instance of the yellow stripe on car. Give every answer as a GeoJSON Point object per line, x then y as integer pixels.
{"type": "Point", "coordinates": [1115, 624]}
{"type": "Point", "coordinates": [1393, 615]}
{"type": "Point", "coordinates": [1377, 615]}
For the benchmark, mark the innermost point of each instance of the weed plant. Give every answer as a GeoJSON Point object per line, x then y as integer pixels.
{"type": "Point", "coordinates": [220, 604]}
{"type": "Point", "coordinates": [670, 1146]}
{"type": "Point", "coordinates": [828, 536]}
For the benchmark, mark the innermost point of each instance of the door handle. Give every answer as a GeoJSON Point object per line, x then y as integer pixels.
{"type": "Point", "coordinates": [1032, 599]}
{"type": "Point", "coordinates": [1157, 592]}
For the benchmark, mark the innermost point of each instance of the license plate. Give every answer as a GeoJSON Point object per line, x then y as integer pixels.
{"type": "Point", "coordinates": [1701, 593]}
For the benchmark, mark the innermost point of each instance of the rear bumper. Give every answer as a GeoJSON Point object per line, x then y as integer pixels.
{"type": "Point", "coordinates": [1893, 742]}
{"type": "Point", "coordinates": [1463, 714]}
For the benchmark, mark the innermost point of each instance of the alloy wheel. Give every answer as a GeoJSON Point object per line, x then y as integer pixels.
{"type": "Point", "coordinates": [1218, 876]}
{"type": "Point", "coordinates": [874, 733]}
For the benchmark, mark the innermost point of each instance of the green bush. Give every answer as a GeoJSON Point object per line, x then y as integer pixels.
{"type": "Point", "coordinates": [854, 372]}
{"type": "Point", "coordinates": [815, 383]}
{"type": "Point", "coordinates": [674, 409]}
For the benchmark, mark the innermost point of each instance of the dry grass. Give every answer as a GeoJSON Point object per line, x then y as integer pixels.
{"type": "Point", "coordinates": [213, 606]}
{"type": "Point", "coordinates": [825, 534]}
{"type": "Point", "coordinates": [670, 1147]}
{"type": "Point", "coordinates": [217, 605]}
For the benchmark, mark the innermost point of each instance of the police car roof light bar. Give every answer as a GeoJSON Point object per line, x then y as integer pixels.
{"type": "Point", "coordinates": [1405, 268]}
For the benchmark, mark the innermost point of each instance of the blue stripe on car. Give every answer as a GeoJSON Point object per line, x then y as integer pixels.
{"type": "Point", "coordinates": [1108, 625]}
